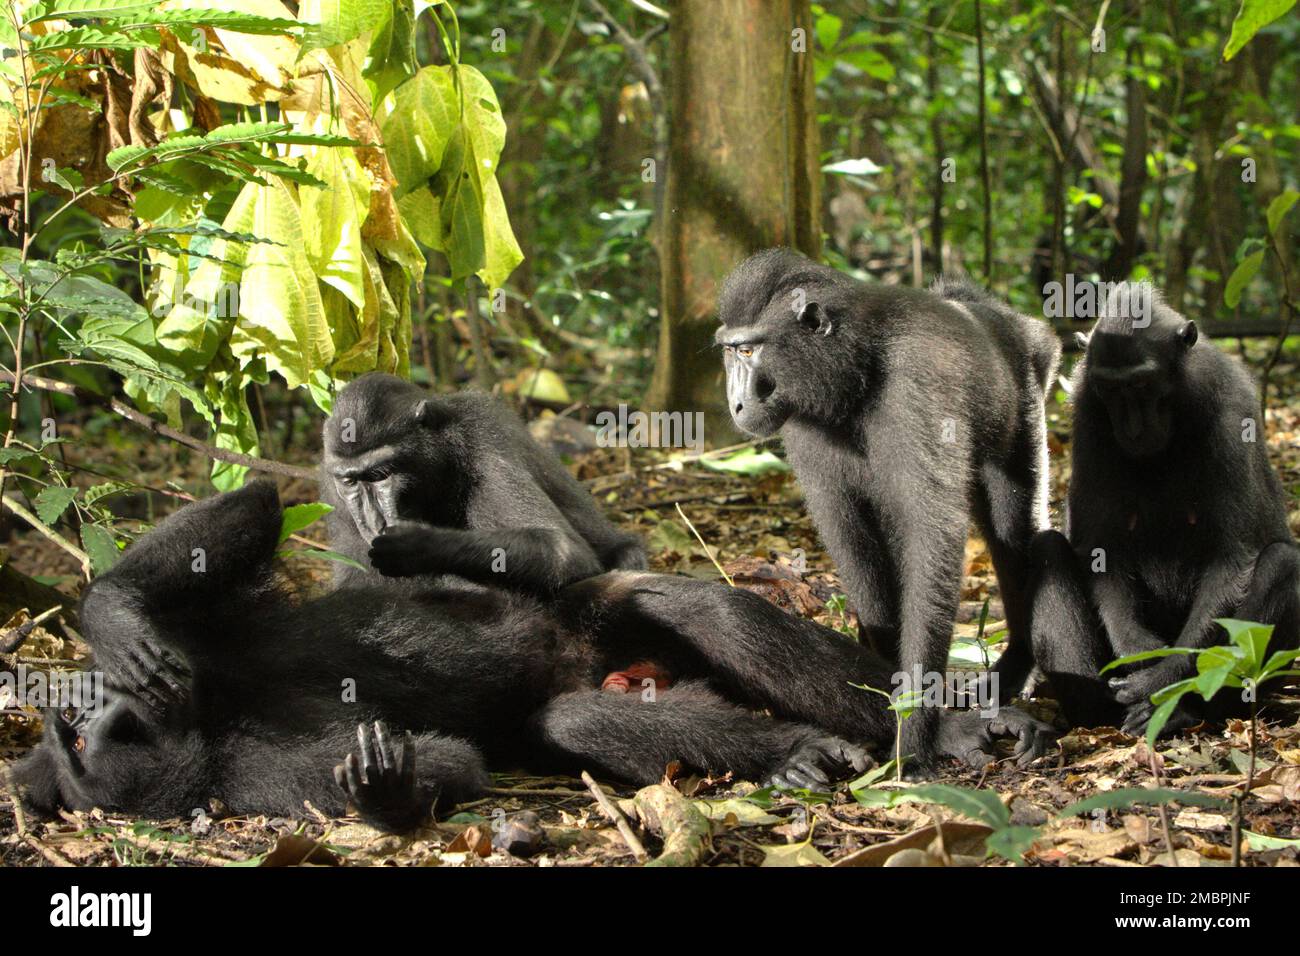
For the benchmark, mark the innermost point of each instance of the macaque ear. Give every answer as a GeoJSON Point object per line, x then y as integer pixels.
{"type": "Point", "coordinates": [814, 318]}
{"type": "Point", "coordinates": [428, 412]}
{"type": "Point", "coordinates": [1188, 334]}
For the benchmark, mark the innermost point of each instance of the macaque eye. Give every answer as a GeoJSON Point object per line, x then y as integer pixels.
{"type": "Point", "coordinates": [347, 482]}
{"type": "Point", "coordinates": [745, 350]}
{"type": "Point", "coordinates": [69, 714]}
{"type": "Point", "coordinates": [79, 745]}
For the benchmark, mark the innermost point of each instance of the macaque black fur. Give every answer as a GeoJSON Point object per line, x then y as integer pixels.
{"type": "Point", "coordinates": [220, 685]}
{"type": "Point", "coordinates": [423, 484]}
{"type": "Point", "coordinates": [1175, 518]}
{"type": "Point", "coordinates": [904, 414]}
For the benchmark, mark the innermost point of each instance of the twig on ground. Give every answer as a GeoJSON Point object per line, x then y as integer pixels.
{"type": "Point", "coordinates": [707, 550]}
{"type": "Point", "coordinates": [13, 638]}
{"type": "Point", "coordinates": [616, 818]}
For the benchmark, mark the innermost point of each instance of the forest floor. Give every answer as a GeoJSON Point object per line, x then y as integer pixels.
{"type": "Point", "coordinates": [755, 526]}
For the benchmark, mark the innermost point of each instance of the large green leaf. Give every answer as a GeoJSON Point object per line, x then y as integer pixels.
{"type": "Point", "coordinates": [280, 312]}
{"type": "Point", "coordinates": [417, 119]}
{"type": "Point", "coordinates": [202, 317]}
{"type": "Point", "coordinates": [391, 56]}
{"type": "Point", "coordinates": [461, 207]}
{"type": "Point", "coordinates": [501, 252]}
{"type": "Point", "coordinates": [332, 217]}
{"type": "Point", "coordinates": [1253, 16]}
{"type": "Point", "coordinates": [330, 22]}
{"type": "Point", "coordinates": [235, 432]}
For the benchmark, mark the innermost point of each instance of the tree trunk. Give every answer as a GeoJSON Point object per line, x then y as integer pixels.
{"type": "Point", "coordinates": [742, 176]}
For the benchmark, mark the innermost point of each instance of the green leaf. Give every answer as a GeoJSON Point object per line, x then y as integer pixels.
{"type": "Point", "coordinates": [828, 29]}
{"type": "Point", "coordinates": [1160, 716]}
{"type": "Point", "coordinates": [53, 501]}
{"type": "Point", "coordinates": [417, 119]}
{"type": "Point", "coordinates": [747, 461]}
{"type": "Point", "coordinates": [280, 312]}
{"type": "Point", "coordinates": [1279, 207]}
{"type": "Point", "coordinates": [83, 9]}
{"type": "Point", "coordinates": [235, 431]}
{"type": "Point", "coordinates": [1258, 841]}
{"type": "Point", "coordinates": [297, 517]}
{"type": "Point", "coordinates": [331, 22]}
{"type": "Point", "coordinates": [501, 252]}
{"type": "Point", "coordinates": [228, 136]}
{"type": "Point", "coordinates": [97, 492]}
{"type": "Point", "coordinates": [93, 38]}
{"type": "Point", "coordinates": [1127, 797]}
{"type": "Point", "coordinates": [100, 546]}
{"type": "Point", "coordinates": [1253, 16]}
{"type": "Point", "coordinates": [1251, 637]}
{"type": "Point", "coordinates": [874, 775]}
{"type": "Point", "coordinates": [793, 854]}
{"type": "Point", "coordinates": [235, 21]}
{"type": "Point", "coordinates": [1277, 661]}
{"type": "Point", "coordinates": [391, 57]}
{"type": "Point", "coordinates": [12, 455]}
{"type": "Point", "coordinates": [332, 218]}
{"type": "Point", "coordinates": [983, 806]}
{"type": "Point", "coordinates": [1148, 655]}
{"type": "Point", "coordinates": [1012, 843]}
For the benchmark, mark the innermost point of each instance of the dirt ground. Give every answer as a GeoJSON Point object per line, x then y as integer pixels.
{"type": "Point", "coordinates": [757, 529]}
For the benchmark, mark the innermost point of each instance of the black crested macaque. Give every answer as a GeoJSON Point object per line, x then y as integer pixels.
{"type": "Point", "coordinates": [903, 413]}
{"type": "Point", "coordinates": [425, 484]}
{"type": "Point", "coordinates": [1175, 518]}
{"type": "Point", "coordinates": [220, 685]}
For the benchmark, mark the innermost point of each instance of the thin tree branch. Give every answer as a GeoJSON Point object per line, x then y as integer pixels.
{"type": "Point", "coordinates": [163, 429]}
{"type": "Point", "coordinates": [16, 507]}
{"type": "Point", "coordinates": [984, 148]}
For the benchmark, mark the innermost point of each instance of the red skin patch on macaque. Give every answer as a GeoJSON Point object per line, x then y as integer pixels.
{"type": "Point", "coordinates": [630, 678]}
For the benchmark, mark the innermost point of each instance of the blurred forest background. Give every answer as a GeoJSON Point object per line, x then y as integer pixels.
{"type": "Point", "coordinates": [213, 215]}
{"type": "Point", "coordinates": [213, 218]}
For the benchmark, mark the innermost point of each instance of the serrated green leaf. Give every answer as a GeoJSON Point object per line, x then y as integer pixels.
{"type": "Point", "coordinates": [53, 501]}
{"type": "Point", "coordinates": [234, 21]}
{"type": "Point", "coordinates": [84, 9]}
{"type": "Point", "coordinates": [93, 38]}
{"type": "Point", "coordinates": [100, 546]}
{"type": "Point", "coordinates": [11, 456]}
{"type": "Point", "coordinates": [98, 492]}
